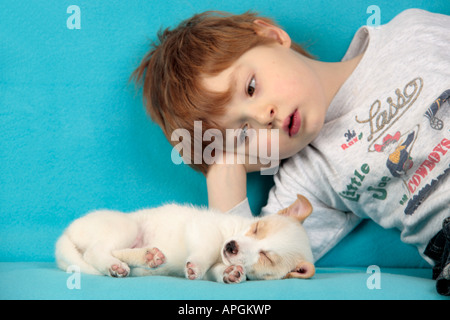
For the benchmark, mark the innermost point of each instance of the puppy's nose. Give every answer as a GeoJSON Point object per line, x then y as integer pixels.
{"type": "Point", "coordinates": [232, 247]}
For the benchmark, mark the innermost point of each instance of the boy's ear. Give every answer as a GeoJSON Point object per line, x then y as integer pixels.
{"type": "Point", "coordinates": [270, 31]}
{"type": "Point", "coordinates": [300, 209]}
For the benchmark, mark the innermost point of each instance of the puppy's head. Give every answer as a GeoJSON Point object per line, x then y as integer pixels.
{"type": "Point", "coordinates": [275, 246]}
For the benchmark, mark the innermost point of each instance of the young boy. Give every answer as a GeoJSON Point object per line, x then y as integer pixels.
{"type": "Point", "coordinates": [367, 137]}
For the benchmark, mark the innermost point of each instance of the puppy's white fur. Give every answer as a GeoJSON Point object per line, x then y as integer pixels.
{"type": "Point", "coordinates": [187, 241]}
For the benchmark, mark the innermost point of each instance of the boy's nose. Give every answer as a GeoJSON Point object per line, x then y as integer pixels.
{"type": "Point", "coordinates": [267, 116]}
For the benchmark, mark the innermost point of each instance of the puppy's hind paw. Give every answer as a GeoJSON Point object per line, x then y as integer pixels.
{"type": "Point", "coordinates": [154, 258]}
{"type": "Point", "coordinates": [119, 270]}
{"type": "Point", "coordinates": [193, 272]}
{"type": "Point", "coordinates": [234, 274]}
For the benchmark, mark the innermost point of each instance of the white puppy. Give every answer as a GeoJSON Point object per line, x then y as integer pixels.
{"type": "Point", "coordinates": [186, 241]}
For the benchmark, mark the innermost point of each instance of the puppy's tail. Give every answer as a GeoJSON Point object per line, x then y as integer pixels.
{"type": "Point", "coordinates": [67, 255]}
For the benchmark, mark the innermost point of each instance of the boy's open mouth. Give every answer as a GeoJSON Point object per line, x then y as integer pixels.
{"type": "Point", "coordinates": [291, 125]}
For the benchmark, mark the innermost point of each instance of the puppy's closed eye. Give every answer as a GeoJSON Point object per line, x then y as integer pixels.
{"type": "Point", "coordinates": [254, 229]}
{"type": "Point", "coordinates": [265, 257]}
{"type": "Point", "coordinates": [257, 230]}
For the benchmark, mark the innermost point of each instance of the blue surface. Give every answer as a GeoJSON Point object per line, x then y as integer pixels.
{"type": "Point", "coordinates": [74, 135]}
{"type": "Point", "coordinates": [43, 281]}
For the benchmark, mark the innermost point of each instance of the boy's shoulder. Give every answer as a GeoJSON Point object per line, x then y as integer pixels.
{"type": "Point", "coordinates": [417, 17]}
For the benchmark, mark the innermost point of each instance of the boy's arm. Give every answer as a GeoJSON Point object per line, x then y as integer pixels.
{"type": "Point", "coordinates": [227, 185]}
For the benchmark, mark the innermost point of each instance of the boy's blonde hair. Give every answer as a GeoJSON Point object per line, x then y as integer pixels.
{"type": "Point", "coordinates": [203, 45]}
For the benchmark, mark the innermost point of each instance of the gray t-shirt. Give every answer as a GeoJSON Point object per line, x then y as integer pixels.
{"type": "Point", "coordinates": [384, 150]}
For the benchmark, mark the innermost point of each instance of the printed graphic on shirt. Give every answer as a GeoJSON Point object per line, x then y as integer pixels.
{"type": "Point", "coordinates": [396, 146]}
{"type": "Point", "coordinates": [352, 191]}
{"type": "Point", "coordinates": [382, 117]}
{"type": "Point", "coordinates": [416, 185]}
{"type": "Point", "coordinates": [440, 103]}
{"type": "Point", "coordinates": [350, 139]}
{"type": "Point", "coordinates": [357, 186]}
{"type": "Point", "coordinates": [435, 113]}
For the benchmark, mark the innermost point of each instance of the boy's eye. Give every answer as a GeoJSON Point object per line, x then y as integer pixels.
{"type": "Point", "coordinates": [251, 87]}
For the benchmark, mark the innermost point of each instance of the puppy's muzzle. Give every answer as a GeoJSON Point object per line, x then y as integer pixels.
{"type": "Point", "coordinates": [232, 248]}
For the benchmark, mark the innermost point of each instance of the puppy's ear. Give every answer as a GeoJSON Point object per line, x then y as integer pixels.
{"type": "Point", "coordinates": [303, 270]}
{"type": "Point", "coordinates": [299, 210]}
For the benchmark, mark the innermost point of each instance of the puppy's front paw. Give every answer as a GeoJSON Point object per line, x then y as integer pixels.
{"type": "Point", "coordinates": [119, 270]}
{"type": "Point", "coordinates": [193, 272]}
{"type": "Point", "coordinates": [154, 258]}
{"type": "Point", "coordinates": [234, 274]}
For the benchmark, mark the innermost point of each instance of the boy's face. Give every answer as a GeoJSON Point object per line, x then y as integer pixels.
{"type": "Point", "coordinates": [274, 88]}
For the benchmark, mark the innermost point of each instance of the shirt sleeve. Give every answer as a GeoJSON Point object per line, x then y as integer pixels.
{"type": "Point", "coordinates": [242, 209]}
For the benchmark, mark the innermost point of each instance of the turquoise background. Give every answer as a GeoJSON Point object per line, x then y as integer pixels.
{"type": "Point", "coordinates": [74, 135]}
